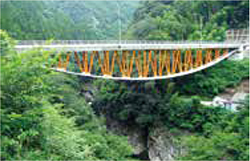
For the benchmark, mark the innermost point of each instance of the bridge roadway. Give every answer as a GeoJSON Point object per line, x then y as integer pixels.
{"type": "Point", "coordinates": [109, 45]}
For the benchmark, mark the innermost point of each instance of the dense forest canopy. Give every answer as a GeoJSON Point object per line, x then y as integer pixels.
{"type": "Point", "coordinates": [188, 20]}
{"type": "Point", "coordinates": [68, 20]}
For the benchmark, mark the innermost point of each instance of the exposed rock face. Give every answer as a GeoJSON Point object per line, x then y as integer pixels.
{"type": "Point", "coordinates": [137, 140]}
{"type": "Point", "coordinates": [137, 137]}
{"type": "Point", "coordinates": [162, 146]}
{"type": "Point", "coordinates": [229, 92]}
{"type": "Point", "coordinates": [159, 145]}
{"type": "Point", "coordinates": [89, 91]}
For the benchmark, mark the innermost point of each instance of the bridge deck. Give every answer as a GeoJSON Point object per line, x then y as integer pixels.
{"type": "Point", "coordinates": [81, 45]}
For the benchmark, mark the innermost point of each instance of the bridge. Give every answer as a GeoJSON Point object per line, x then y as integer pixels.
{"type": "Point", "coordinates": [135, 60]}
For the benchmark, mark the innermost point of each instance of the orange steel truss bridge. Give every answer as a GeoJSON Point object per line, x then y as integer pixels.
{"type": "Point", "coordinates": [135, 60]}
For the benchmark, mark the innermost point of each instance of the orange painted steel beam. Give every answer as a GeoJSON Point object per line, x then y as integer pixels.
{"type": "Point", "coordinates": [86, 65]}
{"type": "Point", "coordinates": [144, 63]}
{"type": "Point", "coordinates": [147, 60]}
{"type": "Point", "coordinates": [208, 57]}
{"type": "Point", "coordinates": [100, 62]}
{"type": "Point", "coordinates": [168, 63]}
{"type": "Point", "coordinates": [104, 63]}
{"type": "Point", "coordinates": [138, 64]}
{"type": "Point", "coordinates": [188, 60]}
{"type": "Point", "coordinates": [59, 61]}
{"type": "Point", "coordinates": [199, 59]}
{"type": "Point", "coordinates": [147, 65]}
{"type": "Point", "coordinates": [127, 64]}
{"type": "Point", "coordinates": [154, 63]}
{"type": "Point", "coordinates": [131, 63]}
{"type": "Point", "coordinates": [119, 62]}
{"type": "Point", "coordinates": [62, 64]}
{"type": "Point", "coordinates": [79, 64]}
{"type": "Point", "coordinates": [176, 64]}
{"type": "Point", "coordinates": [164, 62]}
{"type": "Point", "coordinates": [113, 64]}
{"type": "Point", "coordinates": [124, 65]}
{"type": "Point", "coordinates": [225, 52]}
{"type": "Point", "coordinates": [83, 57]}
{"type": "Point", "coordinates": [161, 63]}
{"type": "Point", "coordinates": [92, 55]}
{"type": "Point", "coordinates": [67, 61]}
{"type": "Point", "coordinates": [217, 54]}
{"type": "Point", "coordinates": [106, 54]}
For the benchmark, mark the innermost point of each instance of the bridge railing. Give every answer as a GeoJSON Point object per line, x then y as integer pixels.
{"type": "Point", "coordinates": [75, 42]}
{"type": "Point", "coordinates": [237, 34]}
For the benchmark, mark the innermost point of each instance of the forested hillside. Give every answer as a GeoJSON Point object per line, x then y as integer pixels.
{"type": "Point", "coordinates": [66, 20]}
{"type": "Point", "coordinates": [187, 20]}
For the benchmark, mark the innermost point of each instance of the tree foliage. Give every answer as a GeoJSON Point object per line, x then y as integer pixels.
{"type": "Point", "coordinates": [43, 118]}
{"type": "Point", "coordinates": [7, 43]}
{"type": "Point", "coordinates": [66, 20]}
{"type": "Point", "coordinates": [214, 80]}
{"type": "Point", "coordinates": [227, 142]}
{"type": "Point", "coordinates": [187, 20]}
{"type": "Point", "coordinates": [149, 104]}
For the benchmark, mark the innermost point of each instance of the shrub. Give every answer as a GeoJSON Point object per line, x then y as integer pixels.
{"type": "Point", "coordinates": [7, 43]}
{"type": "Point", "coordinates": [229, 141]}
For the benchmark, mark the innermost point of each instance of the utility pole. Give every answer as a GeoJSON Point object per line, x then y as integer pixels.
{"type": "Point", "coordinates": [119, 20]}
{"type": "Point", "coordinates": [198, 19]}
{"type": "Point", "coordinates": [201, 26]}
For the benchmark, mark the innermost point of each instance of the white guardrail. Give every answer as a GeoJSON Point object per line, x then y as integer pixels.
{"type": "Point", "coordinates": [99, 45]}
